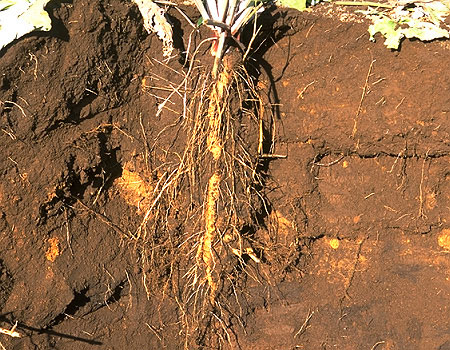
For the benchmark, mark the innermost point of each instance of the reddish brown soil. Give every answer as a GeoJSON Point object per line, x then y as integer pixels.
{"type": "Point", "coordinates": [367, 139]}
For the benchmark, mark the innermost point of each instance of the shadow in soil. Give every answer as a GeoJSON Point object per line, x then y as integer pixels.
{"type": "Point", "coordinates": [30, 331]}
{"type": "Point", "coordinates": [272, 25]}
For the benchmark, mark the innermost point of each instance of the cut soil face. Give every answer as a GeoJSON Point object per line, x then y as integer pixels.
{"type": "Point", "coordinates": [348, 249]}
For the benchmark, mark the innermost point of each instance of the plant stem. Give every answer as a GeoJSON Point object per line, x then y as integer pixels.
{"type": "Point", "coordinates": [219, 53]}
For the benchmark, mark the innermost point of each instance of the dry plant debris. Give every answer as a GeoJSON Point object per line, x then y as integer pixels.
{"type": "Point", "coordinates": [9, 332]}
{"type": "Point", "coordinates": [156, 22]}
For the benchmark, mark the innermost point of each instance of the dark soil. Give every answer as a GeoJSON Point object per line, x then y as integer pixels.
{"type": "Point", "coordinates": [357, 253]}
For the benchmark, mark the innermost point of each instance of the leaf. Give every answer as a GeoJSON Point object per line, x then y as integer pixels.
{"type": "Point", "coordinates": [295, 4]}
{"type": "Point", "coordinates": [394, 30]}
{"type": "Point", "coordinates": [21, 17]}
{"type": "Point", "coordinates": [424, 31]}
{"type": "Point", "coordinates": [387, 28]}
{"type": "Point", "coordinates": [437, 11]}
{"type": "Point", "coordinates": [5, 4]}
{"type": "Point", "coordinates": [156, 22]}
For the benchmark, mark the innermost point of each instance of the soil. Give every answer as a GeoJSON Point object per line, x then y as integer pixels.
{"type": "Point", "coordinates": [351, 249]}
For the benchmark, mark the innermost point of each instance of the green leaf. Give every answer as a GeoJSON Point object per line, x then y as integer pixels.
{"type": "Point", "coordinates": [295, 4]}
{"type": "Point", "coordinates": [5, 7]}
{"type": "Point", "coordinates": [21, 17]}
{"type": "Point", "coordinates": [388, 28]}
{"type": "Point", "coordinates": [5, 4]}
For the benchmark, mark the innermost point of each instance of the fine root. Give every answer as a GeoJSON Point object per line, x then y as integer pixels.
{"type": "Point", "coordinates": [196, 232]}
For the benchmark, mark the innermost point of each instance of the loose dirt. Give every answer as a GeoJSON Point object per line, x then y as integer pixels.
{"type": "Point", "coordinates": [348, 247]}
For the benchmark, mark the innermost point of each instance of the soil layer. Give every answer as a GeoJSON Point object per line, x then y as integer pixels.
{"type": "Point", "coordinates": [359, 187]}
